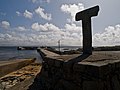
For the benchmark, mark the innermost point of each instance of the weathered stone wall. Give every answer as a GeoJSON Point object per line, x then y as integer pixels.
{"type": "Point", "coordinates": [97, 72]}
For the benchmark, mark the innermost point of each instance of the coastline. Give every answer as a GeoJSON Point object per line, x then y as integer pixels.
{"type": "Point", "coordinates": [17, 71]}
{"type": "Point", "coordinates": [25, 76]}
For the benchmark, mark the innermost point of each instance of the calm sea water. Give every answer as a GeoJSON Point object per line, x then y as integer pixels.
{"type": "Point", "coordinates": [10, 53]}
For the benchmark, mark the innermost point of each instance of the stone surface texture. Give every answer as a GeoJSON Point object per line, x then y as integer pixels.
{"type": "Point", "coordinates": [100, 71]}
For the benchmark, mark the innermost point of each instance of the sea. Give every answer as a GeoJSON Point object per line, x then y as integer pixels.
{"type": "Point", "coordinates": [11, 53]}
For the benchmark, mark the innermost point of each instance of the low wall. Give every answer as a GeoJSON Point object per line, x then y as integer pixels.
{"type": "Point", "coordinates": [11, 66]}
{"type": "Point", "coordinates": [96, 72]}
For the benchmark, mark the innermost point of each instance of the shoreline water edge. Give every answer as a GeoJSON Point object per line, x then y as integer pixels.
{"type": "Point", "coordinates": [11, 53]}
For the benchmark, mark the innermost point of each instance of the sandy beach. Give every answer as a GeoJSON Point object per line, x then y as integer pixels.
{"type": "Point", "coordinates": [16, 71]}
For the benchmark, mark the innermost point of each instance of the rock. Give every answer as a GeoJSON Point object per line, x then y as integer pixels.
{"type": "Point", "coordinates": [14, 82]}
{"type": "Point", "coordinates": [7, 83]}
{"type": "Point", "coordinates": [3, 83]}
{"type": "Point", "coordinates": [8, 86]}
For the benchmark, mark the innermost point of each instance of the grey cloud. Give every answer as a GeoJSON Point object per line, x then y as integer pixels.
{"type": "Point", "coordinates": [5, 24]}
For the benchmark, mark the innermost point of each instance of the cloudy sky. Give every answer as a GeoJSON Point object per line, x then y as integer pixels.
{"type": "Point", "coordinates": [44, 22]}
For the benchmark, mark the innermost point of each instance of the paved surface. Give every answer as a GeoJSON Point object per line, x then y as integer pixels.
{"type": "Point", "coordinates": [57, 56]}
{"type": "Point", "coordinates": [95, 57]}
{"type": "Point", "coordinates": [48, 53]}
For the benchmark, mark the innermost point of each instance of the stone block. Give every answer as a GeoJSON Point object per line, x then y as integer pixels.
{"type": "Point", "coordinates": [115, 83]}
{"type": "Point", "coordinates": [69, 85]}
{"type": "Point", "coordinates": [96, 69]}
{"type": "Point", "coordinates": [58, 63]}
{"type": "Point", "coordinates": [50, 61]}
{"type": "Point", "coordinates": [93, 85]}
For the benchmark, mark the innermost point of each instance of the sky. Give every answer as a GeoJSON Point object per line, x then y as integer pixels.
{"type": "Point", "coordinates": [45, 22]}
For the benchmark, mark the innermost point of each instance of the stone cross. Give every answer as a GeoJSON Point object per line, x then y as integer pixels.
{"type": "Point", "coordinates": [85, 16]}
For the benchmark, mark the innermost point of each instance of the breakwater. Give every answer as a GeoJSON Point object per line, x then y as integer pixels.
{"type": "Point", "coordinates": [100, 71]}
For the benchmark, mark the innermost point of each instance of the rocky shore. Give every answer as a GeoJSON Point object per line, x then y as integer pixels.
{"type": "Point", "coordinates": [24, 70]}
